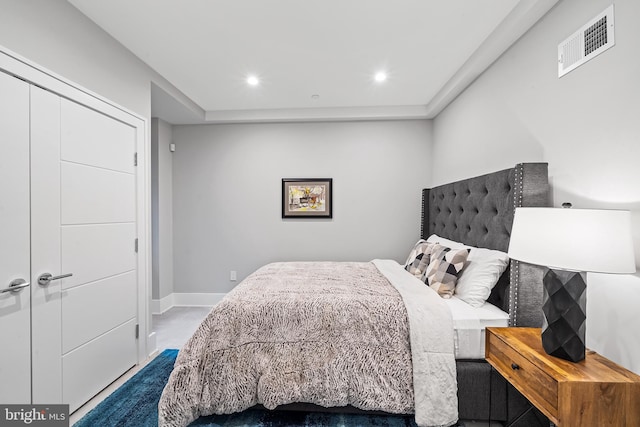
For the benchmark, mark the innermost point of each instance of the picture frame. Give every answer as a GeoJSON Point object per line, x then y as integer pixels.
{"type": "Point", "coordinates": [307, 198]}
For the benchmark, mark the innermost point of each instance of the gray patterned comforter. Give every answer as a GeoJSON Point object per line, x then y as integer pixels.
{"type": "Point", "coordinates": [327, 333]}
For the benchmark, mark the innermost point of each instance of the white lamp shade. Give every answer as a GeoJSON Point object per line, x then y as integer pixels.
{"type": "Point", "coordinates": [573, 239]}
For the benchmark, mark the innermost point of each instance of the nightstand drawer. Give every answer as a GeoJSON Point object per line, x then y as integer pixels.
{"type": "Point", "coordinates": [531, 381]}
{"type": "Point", "coordinates": [592, 393]}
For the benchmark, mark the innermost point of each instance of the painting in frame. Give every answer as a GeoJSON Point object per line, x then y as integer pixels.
{"type": "Point", "coordinates": [307, 198]}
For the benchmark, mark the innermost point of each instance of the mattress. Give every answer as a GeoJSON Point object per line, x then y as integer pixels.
{"type": "Point", "coordinates": [469, 325]}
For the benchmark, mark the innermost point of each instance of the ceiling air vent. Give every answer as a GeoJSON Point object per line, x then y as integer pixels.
{"type": "Point", "coordinates": [588, 42]}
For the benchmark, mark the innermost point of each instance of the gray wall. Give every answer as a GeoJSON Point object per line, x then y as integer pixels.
{"type": "Point", "coordinates": [162, 208]}
{"type": "Point", "coordinates": [227, 195]}
{"type": "Point", "coordinates": [586, 125]}
{"type": "Point", "coordinates": [55, 35]}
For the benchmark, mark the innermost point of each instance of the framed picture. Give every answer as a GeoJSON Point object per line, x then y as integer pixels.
{"type": "Point", "coordinates": [307, 198]}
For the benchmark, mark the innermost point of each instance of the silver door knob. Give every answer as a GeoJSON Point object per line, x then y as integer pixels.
{"type": "Point", "coordinates": [45, 278]}
{"type": "Point", "coordinates": [15, 286]}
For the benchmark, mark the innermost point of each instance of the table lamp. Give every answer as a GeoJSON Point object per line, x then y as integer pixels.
{"type": "Point", "coordinates": [570, 242]}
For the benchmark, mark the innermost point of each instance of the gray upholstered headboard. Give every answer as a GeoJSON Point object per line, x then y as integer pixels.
{"type": "Point", "coordinates": [479, 212]}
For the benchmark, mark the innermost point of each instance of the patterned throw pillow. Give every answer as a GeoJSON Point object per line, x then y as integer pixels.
{"type": "Point", "coordinates": [444, 268]}
{"type": "Point", "coordinates": [419, 258]}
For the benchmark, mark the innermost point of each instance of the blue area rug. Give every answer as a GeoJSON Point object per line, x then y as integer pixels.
{"type": "Point", "coordinates": [135, 404]}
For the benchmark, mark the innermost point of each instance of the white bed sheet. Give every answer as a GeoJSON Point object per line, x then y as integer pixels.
{"type": "Point", "coordinates": [469, 325]}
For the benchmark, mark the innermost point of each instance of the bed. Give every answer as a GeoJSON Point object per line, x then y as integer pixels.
{"type": "Point", "coordinates": [363, 336]}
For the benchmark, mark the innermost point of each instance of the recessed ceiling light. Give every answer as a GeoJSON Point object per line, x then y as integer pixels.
{"type": "Point", "coordinates": [315, 96]}
{"type": "Point", "coordinates": [380, 76]}
{"type": "Point", "coordinates": [252, 81]}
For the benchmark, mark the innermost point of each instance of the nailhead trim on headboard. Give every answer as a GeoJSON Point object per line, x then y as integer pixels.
{"type": "Point", "coordinates": [425, 208]}
{"type": "Point", "coordinates": [515, 265]}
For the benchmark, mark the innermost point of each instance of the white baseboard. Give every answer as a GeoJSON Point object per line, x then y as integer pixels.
{"type": "Point", "coordinates": [152, 345]}
{"type": "Point", "coordinates": [159, 306]}
{"type": "Point", "coordinates": [185, 300]}
{"type": "Point", "coordinates": [197, 300]}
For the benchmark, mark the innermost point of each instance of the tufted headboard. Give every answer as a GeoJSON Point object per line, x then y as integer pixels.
{"type": "Point", "coordinates": [479, 212]}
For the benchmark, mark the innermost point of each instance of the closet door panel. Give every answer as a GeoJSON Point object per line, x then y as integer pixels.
{"type": "Point", "coordinates": [94, 252]}
{"type": "Point", "coordinates": [15, 327]}
{"type": "Point", "coordinates": [95, 308]}
{"type": "Point", "coordinates": [93, 366]}
{"type": "Point", "coordinates": [92, 195]}
{"type": "Point", "coordinates": [92, 138]}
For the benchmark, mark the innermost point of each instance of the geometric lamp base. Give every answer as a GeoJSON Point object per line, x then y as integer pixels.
{"type": "Point", "coordinates": [564, 304]}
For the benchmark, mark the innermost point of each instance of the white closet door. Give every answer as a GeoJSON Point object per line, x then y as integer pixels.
{"type": "Point", "coordinates": [15, 322]}
{"type": "Point", "coordinates": [98, 231]}
{"type": "Point", "coordinates": [91, 234]}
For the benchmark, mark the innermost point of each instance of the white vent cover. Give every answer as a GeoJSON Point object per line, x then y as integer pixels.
{"type": "Point", "coordinates": [588, 42]}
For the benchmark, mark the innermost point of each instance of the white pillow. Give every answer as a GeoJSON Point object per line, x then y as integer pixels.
{"type": "Point", "coordinates": [434, 238]}
{"type": "Point", "coordinates": [480, 275]}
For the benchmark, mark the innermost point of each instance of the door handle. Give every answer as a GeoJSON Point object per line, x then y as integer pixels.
{"type": "Point", "coordinates": [45, 278]}
{"type": "Point", "coordinates": [15, 286]}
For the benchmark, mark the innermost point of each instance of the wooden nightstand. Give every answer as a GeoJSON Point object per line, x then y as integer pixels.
{"type": "Point", "coordinates": [594, 392]}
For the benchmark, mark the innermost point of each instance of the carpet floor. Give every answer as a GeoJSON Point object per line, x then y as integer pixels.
{"type": "Point", "coordinates": [135, 404]}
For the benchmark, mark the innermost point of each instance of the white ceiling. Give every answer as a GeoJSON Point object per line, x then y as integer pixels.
{"type": "Point", "coordinates": [430, 49]}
